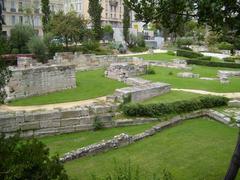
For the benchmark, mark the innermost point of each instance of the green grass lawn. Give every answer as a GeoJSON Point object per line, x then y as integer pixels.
{"type": "Point", "coordinates": [169, 75]}
{"type": "Point", "coordinates": [172, 97]}
{"type": "Point", "coordinates": [90, 84]}
{"type": "Point", "coordinates": [67, 142]}
{"type": "Point", "coordinates": [159, 56]}
{"type": "Point", "coordinates": [195, 149]}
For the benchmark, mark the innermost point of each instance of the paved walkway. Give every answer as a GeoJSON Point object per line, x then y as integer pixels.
{"type": "Point", "coordinates": [52, 106]}
{"type": "Point", "coordinates": [228, 95]}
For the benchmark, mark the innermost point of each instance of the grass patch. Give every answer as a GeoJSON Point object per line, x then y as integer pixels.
{"type": "Point", "coordinates": [90, 84]}
{"type": "Point", "coordinates": [172, 97]}
{"type": "Point", "coordinates": [196, 149]}
{"type": "Point", "coordinates": [67, 142]}
{"type": "Point", "coordinates": [169, 75]}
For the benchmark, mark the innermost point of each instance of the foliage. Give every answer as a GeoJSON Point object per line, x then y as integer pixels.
{"type": "Point", "coordinates": [204, 58]}
{"type": "Point", "coordinates": [172, 53]}
{"type": "Point", "coordinates": [140, 41]}
{"type": "Point", "coordinates": [126, 23]}
{"type": "Point", "coordinates": [5, 45]}
{"type": "Point", "coordinates": [231, 59]}
{"type": "Point", "coordinates": [108, 32]}
{"type": "Point", "coordinates": [225, 46]}
{"type": "Point", "coordinates": [213, 64]}
{"type": "Point", "coordinates": [186, 48]}
{"type": "Point", "coordinates": [20, 35]}
{"type": "Point", "coordinates": [127, 171]}
{"type": "Point", "coordinates": [97, 124]}
{"type": "Point", "coordinates": [5, 75]}
{"type": "Point", "coordinates": [138, 49]}
{"type": "Point", "coordinates": [73, 32]}
{"type": "Point", "coordinates": [188, 54]}
{"type": "Point", "coordinates": [150, 70]}
{"type": "Point", "coordinates": [184, 41]}
{"type": "Point", "coordinates": [90, 46]}
{"type": "Point", "coordinates": [159, 109]}
{"type": "Point", "coordinates": [95, 12]}
{"type": "Point", "coordinates": [28, 159]}
{"type": "Point", "coordinates": [37, 47]}
{"type": "Point", "coordinates": [46, 13]}
{"type": "Point", "coordinates": [136, 41]}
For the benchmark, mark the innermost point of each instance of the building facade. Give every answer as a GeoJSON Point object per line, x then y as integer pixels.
{"type": "Point", "coordinates": [22, 12]}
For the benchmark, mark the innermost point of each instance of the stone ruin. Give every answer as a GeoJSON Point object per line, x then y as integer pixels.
{"type": "Point", "coordinates": [122, 71]}
{"type": "Point", "coordinates": [225, 75]}
{"type": "Point", "coordinates": [37, 80]}
{"type": "Point", "coordinates": [177, 64]}
{"type": "Point", "coordinates": [187, 75]}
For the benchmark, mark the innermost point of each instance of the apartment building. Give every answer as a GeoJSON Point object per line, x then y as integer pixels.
{"type": "Point", "coordinates": [22, 12]}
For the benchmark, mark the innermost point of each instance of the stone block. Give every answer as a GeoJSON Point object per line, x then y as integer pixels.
{"type": "Point", "coordinates": [29, 126]}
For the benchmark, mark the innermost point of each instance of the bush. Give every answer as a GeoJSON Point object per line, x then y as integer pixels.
{"type": "Point", "coordinates": [140, 41]}
{"type": "Point", "coordinates": [4, 45]}
{"type": "Point", "coordinates": [20, 35]}
{"type": "Point", "coordinates": [28, 159]}
{"type": "Point", "coordinates": [97, 124]}
{"type": "Point", "coordinates": [186, 48]}
{"type": "Point", "coordinates": [150, 70]}
{"type": "Point", "coordinates": [159, 109]}
{"type": "Point", "coordinates": [225, 46]}
{"type": "Point", "coordinates": [213, 64]}
{"type": "Point", "coordinates": [172, 53]}
{"type": "Point", "coordinates": [204, 58]}
{"type": "Point", "coordinates": [184, 41]}
{"type": "Point", "coordinates": [188, 54]}
{"type": "Point", "coordinates": [90, 46]}
{"type": "Point", "coordinates": [231, 59]}
{"type": "Point", "coordinates": [138, 49]}
{"type": "Point", "coordinates": [38, 48]}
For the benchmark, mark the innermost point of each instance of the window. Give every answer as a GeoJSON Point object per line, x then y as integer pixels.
{"type": "Point", "coordinates": [13, 6]}
{"type": "Point", "coordinates": [20, 19]}
{"type": "Point", "coordinates": [13, 20]}
{"type": "Point", "coordinates": [20, 6]}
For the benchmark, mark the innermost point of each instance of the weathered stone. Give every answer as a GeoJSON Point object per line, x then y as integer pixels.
{"type": "Point", "coordinates": [187, 75]}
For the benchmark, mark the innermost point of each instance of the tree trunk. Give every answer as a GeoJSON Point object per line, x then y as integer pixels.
{"type": "Point", "coordinates": [235, 163]}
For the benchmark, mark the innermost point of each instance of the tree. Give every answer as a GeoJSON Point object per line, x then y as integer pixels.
{"type": "Point", "coordinates": [20, 35]}
{"type": "Point", "coordinates": [95, 12]}
{"type": "Point", "coordinates": [1, 17]}
{"type": "Point", "coordinates": [46, 14]}
{"type": "Point", "coordinates": [70, 26]}
{"type": "Point", "coordinates": [28, 159]}
{"type": "Point", "coordinates": [126, 23]}
{"type": "Point", "coordinates": [5, 75]}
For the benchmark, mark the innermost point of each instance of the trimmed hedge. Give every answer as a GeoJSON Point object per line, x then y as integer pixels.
{"type": "Point", "coordinates": [204, 58]}
{"type": "Point", "coordinates": [231, 59]}
{"type": "Point", "coordinates": [213, 64]}
{"type": "Point", "coordinates": [188, 54]}
{"type": "Point", "coordinates": [159, 109]}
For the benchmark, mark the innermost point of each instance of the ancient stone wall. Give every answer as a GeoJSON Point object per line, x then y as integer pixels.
{"type": "Point", "coordinates": [90, 61]}
{"type": "Point", "coordinates": [39, 80]}
{"type": "Point", "coordinates": [57, 121]}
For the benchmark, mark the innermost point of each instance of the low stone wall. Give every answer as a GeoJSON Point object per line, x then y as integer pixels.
{"type": "Point", "coordinates": [187, 75]}
{"type": "Point", "coordinates": [177, 64]}
{"type": "Point", "coordinates": [141, 92]}
{"type": "Point", "coordinates": [125, 139]}
{"type": "Point", "coordinates": [122, 71]}
{"type": "Point", "coordinates": [90, 61]}
{"type": "Point", "coordinates": [57, 121]}
{"type": "Point", "coordinates": [39, 80]}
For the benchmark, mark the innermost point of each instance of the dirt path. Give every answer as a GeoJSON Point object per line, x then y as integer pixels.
{"type": "Point", "coordinates": [229, 95]}
{"type": "Point", "coordinates": [52, 106]}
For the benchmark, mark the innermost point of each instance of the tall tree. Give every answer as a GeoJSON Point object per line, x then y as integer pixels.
{"type": "Point", "coordinates": [1, 17]}
{"type": "Point", "coordinates": [46, 14]}
{"type": "Point", "coordinates": [95, 12]}
{"type": "Point", "coordinates": [126, 23]}
{"type": "Point", "coordinates": [219, 15]}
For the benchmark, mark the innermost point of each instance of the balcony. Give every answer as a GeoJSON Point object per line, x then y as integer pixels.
{"type": "Point", "coordinates": [113, 3]}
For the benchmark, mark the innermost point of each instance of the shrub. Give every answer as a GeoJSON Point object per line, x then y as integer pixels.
{"type": "Point", "coordinates": [186, 48]}
{"type": "Point", "coordinates": [159, 109]}
{"type": "Point", "coordinates": [225, 46]}
{"type": "Point", "coordinates": [89, 46]}
{"type": "Point", "coordinates": [231, 59]}
{"type": "Point", "coordinates": [4, 45]}
{"type": "Point", "coordinates": [150, 70]}
{"type": "Point", "coordinates": [138, 49]}
{"type": "Point", "coordinates": [97, 124]}
{"type": "Point", "coordinates": [204, 58]}
{"type": "Point", "coordinates": [188, 54]}
{"type": "Point", "coordinates": [184, 41]}
{"type": "Point", "coordinates": [172, 53]}
{"type": "Point", "coordinates": [38, 48]}
{"type": "Point", "coordinates": [20, 35]}
{"type": "Point", "coordinates": [140, 41]}
{"type": "Point", "coordinates": [213, 64]}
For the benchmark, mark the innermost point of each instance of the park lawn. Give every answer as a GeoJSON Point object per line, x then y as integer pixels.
{"type": "Point", "coordinates": [90, 84]}
{"type": "Point", "coordinates": [195, 149]}
{"type": "Point", "coordinates": [172, 97]}
{"type": "Point", "coordinates": [169, 75]}
{"type": "Point", "coordinates": [64, 143]}
{"type": "Point", "coordinates": [160, 57]}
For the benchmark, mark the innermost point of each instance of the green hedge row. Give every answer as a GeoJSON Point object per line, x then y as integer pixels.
{"type": "Point", "coordinates": [231, 59]}
{"type": "Point", "coordinates": [188, 54]}
{"type": "Point", "coordinates": [159, 109]}
{"type": "Point", "coordinates": [213, 64]}
{"type": "Point", "coordinates": [204, 58]}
